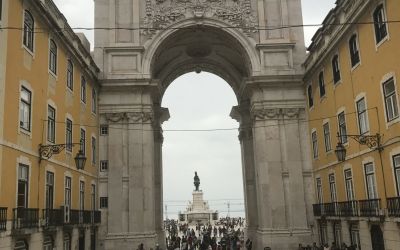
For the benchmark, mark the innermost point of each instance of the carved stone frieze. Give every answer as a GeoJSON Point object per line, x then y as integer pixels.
{"type": "Point", "coordinates": [162, 13]}
{"type": "Point", "coordinates": [140, 117]}
{"type": "Point", "coordinates": [276, 113]}
{"type": "Point", "coordinates": [132, 117]}
{"type": "Point", "coordinates": [115, 117]}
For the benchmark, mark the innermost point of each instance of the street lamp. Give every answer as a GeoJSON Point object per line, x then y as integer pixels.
{"type": "Point", "coordinates": [47, 151]}
{"type": "Point", "coordinates": [371, 141]}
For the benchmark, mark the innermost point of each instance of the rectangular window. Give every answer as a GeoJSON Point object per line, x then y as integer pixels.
{"type": "Point", "coordinates": [81, 195]}
{"type": "Point", "coordinates": [355, 236]}
{"type": "Point", "coordinates": [104, 166]}
{"type": "Point", "coordinates": [337, 229]}
{"type": "Point", "coordinates": [389, 91]}
{"type": "Point", "coordinates": [327, 137]}
{"type": "Point", "coordinates": [83, 89]}
{"type": "Point", "coordinates": [380, 23]}
{"type": "Point", "coordinates": [104, 130]}
{"type": "Point", "coordinates": [354, 52]}
{"type": "Point", "coordinates": [370, 181]}
{"type": "Point", "coordinates": [1, 8]}
{"type": "Point", "coordinates": [314, 144]}
{"type": "Point", "coordinates": [94, 101]}
{"type": "Point", "coordinates": [396, 164]}
{"type": "Point", "coordinates": [29, 28]}
{"type": "Point", "coordinates": [362, 116]}
{"type": "Point", "coordinates": [67, 191]}
{"type": "Point", "coordinates": [25, 109]}
{"type": "Point", "coordinates": [70, 74]}
{"type": "Point", "coordinates": [310, 96]}
{"type": "Point", "coordinates": [342, 127]}
{"type": "Point", "coordinates": [94, 150]}
{"type": "Point", "coordinates": [68, 135]}
{"type": "Point", "coordinates": [103, 202]}
{"type": "Point", "coordinates": [53, 57]}
{"type": "Point", "coordinates": [336, 69]}
{"type": "Point", "coordinates": [49, 190]}
{"type": "Point", "coordinates": [321, 82]}
{"type": "Point", "coordinates": [348, 178]}
{"type": "Point", "coordinates": [83, 141]}
{"type": "Point", "coordinates": [23, 186]}
{"type": "Point", "coordinates": [332, 187]}
{"type": "Point", "coordinates": [319, 190]}
{"type": "Point", "coordinates": [51, 124]}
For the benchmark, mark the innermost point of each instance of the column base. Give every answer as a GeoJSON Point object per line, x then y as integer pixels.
{"type": "Point", "coordinates": [281, 239]}
{"type": "Point", "coordinates": [133, 240]}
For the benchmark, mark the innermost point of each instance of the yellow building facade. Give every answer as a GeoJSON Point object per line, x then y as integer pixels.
{"type": "Point", "coordinates": [351, 83]}
{"type": "Point", "coordinates": [48, 101]}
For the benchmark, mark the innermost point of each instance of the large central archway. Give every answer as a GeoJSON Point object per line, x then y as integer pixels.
{"type": "Point", "coordinates": [264, 71]}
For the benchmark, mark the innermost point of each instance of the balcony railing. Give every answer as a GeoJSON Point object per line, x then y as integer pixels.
{"type": "Point", "coordinates": [53, 217]}
{"type": "Point", "coordinates": [84, 217]}
{"type": "Point", "coordinates": [348, 208]}
{"type": "Point", "coordinates": [330, 209]}
{"type": "Point", "coordinates": [370, 208]}
{"type": "Point", "coordinates": [3, 218]}
{"type": "Point", "coordinates": [25, 218]}
{"type": "Point", "coordinates": [393, 205]}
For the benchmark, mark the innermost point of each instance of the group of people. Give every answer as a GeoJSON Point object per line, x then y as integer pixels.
{"type": "Point", "coordinates": [226, 234]}
{"type": "Point", "coordinates": [333, 246]}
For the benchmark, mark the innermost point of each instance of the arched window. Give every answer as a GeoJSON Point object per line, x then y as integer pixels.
{"type": "Point", "coordinates": [354, 52]}
{"type": "Point", "coordinates": [336, 69]}
{"type": "Point", "coordinates": [29, 26]}
{"type": "Point", "coordinates": [70, 74]}
{"type": "Point", "coordinates": [380, 23]}
{"type": "Point", "coordinates": [21, 245]}
{"type": "Point", "coordinates": [53, 57]}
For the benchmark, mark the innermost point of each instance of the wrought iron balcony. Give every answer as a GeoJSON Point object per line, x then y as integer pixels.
{"type": "Point", "coordinates": [25, 218]}
{"type": "Point", "coordinates": [370, 208]}
{"type": "Point", "coordinates": [3, 218]}
{"type": "Point", "coordinates": [348, 208]}
{"type": "Point", "coordinates": [84, 217]}
{"type": "Point", "coordinates": [53, 217]}
{"type": "Point", "coordinates": [393, 206]}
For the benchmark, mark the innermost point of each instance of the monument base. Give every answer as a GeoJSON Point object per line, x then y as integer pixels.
{"type": "Point", "coordinates": [133, 240]}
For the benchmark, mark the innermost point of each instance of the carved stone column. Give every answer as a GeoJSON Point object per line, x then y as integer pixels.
{"type": "Point", "coordinates": [279, 170]}
{"type": "Point", "coordinates": [242, 115]}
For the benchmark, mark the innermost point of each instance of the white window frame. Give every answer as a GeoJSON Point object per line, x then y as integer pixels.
{"type": "Point", "coordinates": [94, 101]}
{"type": "Point", "coordinates": [83, 89]}
{"type": "Point", "coordinates": [353, 66]}
{"type": "Point", "coordinates": [68, 188]}
{"type": "Point", "coordinates": [23, 104]}
{"type": "Point", "coordinates": [93, 143]}
{"type": "Point", "coordinates": [51, 124]}
{"type": "Point", "coordinates": [50, 183]}
{"type": "Point", "coordinates": [383, 23]}
{"type": "Point", "coordinates": [332, 187]}
{"type": "Point", "coordinates": [314, 143]}
{"type": "Point", "coordinates": [70, 74]}
{"type": "Point", "coordinates": [343, 138]}
{"type": "Point", "coordinates": [104, 130]}
{"type": "Point", "coordinates": [30, 33]}
{"type": "Point", "coordinates": [53, 58]}
{"type": "Point", "coordinates": [351, 184]}
{"type": "Point", "coordinates": [327, 137]}
{"type": "Point", "coordinates": [364, 122]}
{"type": "Point", "coordinates": [69, 134]}
{"type": "Point", "coordinates": [319, 189]}
{"type": "Point", "coordinates": [337, 64]}
{"type": "Point", "coordinates": [104, 166]}
{"type": "Point", "coordinates": [370, 176]}
{"type": "Point", "coordinates": [387, 79]}
{"type": "Point", "coordinates": [321, 84]}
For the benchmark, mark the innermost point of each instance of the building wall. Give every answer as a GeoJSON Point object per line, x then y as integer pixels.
{"type": "Point", "coordinates": [378, 62]}
{"type": "Point", "coordinates": [23, 67]}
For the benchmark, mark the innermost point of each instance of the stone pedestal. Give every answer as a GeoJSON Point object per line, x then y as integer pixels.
{"type": "Point", "coordinates": [198, 211]}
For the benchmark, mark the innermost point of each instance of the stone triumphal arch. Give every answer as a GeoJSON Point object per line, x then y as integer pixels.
{"type": "Point", "coordinates": [141, 46]}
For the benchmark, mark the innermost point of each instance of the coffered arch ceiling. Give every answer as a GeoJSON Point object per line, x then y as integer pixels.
{"type": "Point", "coordinates": [201, 49]}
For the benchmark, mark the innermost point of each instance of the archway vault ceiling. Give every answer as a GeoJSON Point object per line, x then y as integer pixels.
{"type": "Point", "coordinates": [201, 49]}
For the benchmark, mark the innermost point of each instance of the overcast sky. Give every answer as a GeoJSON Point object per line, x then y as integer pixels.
{"type": "Point", "coordinates": [199, 101]}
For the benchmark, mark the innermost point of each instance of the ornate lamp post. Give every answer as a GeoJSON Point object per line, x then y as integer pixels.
{"type": "Point", "coordinates": [371, 141]}
{"type": "Point", "coordinates": [47, 151]}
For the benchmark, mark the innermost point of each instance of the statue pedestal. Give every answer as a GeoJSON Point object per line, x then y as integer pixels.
{"type": "Point", "coordinates": [198, 211]}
